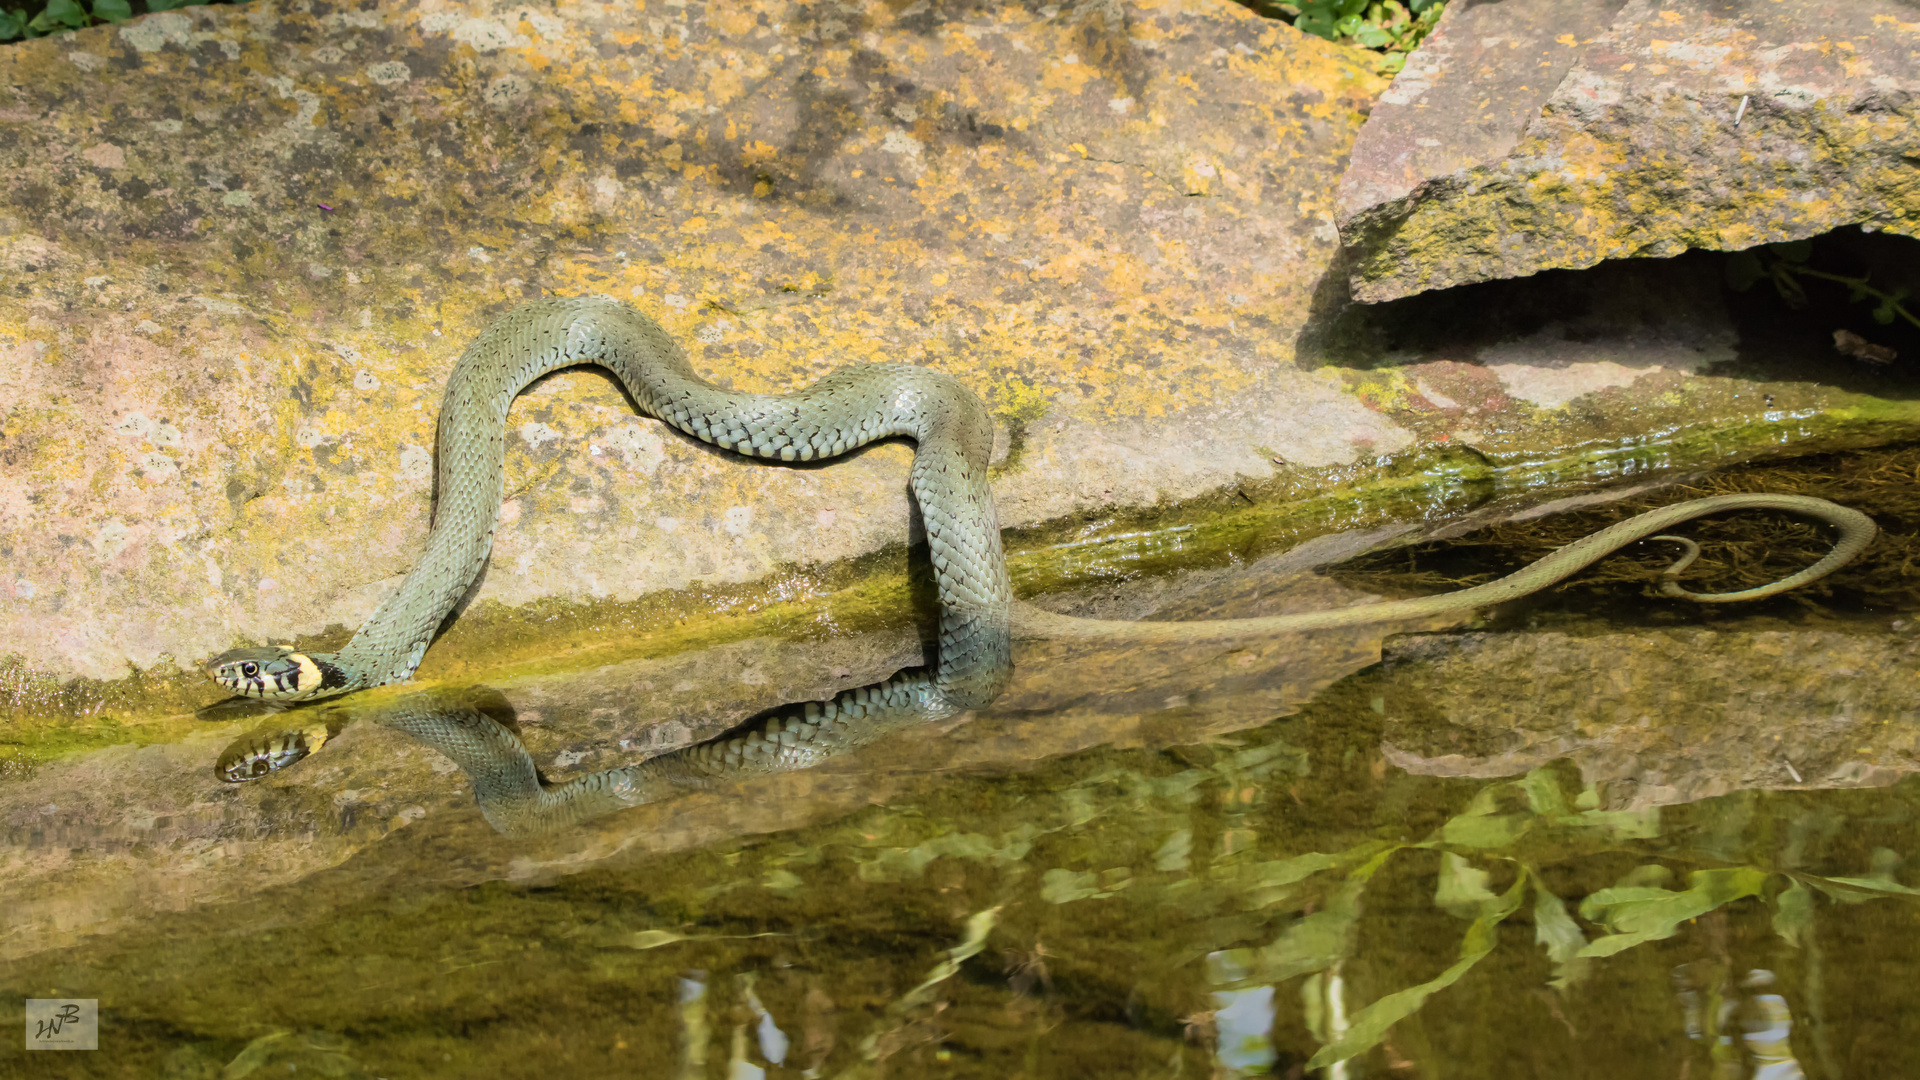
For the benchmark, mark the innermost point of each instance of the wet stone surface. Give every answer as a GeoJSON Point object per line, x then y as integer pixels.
{"type": "Point", "coordinates": [1657, 718]}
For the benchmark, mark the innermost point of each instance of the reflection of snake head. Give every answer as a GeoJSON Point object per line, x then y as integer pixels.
{"type": "Point", "coordinates": [276, 672]}
{"type": "Point", "coordinates": [268, 750]}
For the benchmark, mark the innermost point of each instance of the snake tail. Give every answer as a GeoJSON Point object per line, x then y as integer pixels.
{"type": "Point", "coordinates": [1855, 531]}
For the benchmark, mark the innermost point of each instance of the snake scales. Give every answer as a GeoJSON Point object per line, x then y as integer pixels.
{"type": "Point", "coordinates": [953, 436]}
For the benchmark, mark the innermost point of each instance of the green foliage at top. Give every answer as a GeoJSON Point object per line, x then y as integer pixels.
{"type": "Point", "coordinates": [1391, 28]}
{"type": "Point", "coordinates": [59, 16]}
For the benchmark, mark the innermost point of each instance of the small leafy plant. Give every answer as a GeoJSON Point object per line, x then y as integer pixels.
{"type": "Point", "coordinates": [59, 16]}
{"type": "Point", "coordinates": [1785, 264]}
{"type": "Point", "coordinates": [1392, 28]}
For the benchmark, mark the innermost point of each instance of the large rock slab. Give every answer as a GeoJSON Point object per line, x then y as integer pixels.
{"type": "Point", "coordinates": [1532, 134]}
{"type": "Point", "coordinates": [229, 315]}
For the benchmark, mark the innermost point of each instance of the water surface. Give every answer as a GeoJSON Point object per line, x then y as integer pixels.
{"type": "Point", "coordinates": [1597, 834]}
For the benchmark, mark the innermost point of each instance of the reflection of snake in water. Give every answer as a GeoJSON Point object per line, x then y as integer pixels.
{"type": "Point", "coordinates": [516, 800]}
{"type": "Point", "coordinates": [467, 726]}
{"type": "Point", "coordinates": [953, 436]}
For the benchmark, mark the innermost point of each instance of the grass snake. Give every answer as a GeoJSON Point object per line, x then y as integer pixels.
{"type": "Point", "coordinates": [952, 433]}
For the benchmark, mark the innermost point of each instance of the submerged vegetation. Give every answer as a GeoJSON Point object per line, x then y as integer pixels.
{"type": "Point", "coordinates": [1267, 903]}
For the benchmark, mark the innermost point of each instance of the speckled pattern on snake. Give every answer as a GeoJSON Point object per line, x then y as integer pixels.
{"type": "Point", "coordinates": [953, 437]}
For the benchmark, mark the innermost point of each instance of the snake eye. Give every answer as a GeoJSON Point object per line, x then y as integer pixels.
{"type": "Point", "coordinates": [249, 669]}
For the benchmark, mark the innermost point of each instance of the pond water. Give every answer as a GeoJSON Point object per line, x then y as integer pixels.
{"type": "Point", "coordinates": [1594, 834]}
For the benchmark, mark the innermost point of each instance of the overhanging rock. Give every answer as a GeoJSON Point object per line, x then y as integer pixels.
{"type": "Point", "coordinates": [1534, 134]}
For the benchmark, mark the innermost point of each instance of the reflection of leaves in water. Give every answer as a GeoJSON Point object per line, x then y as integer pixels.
{"type": "Point", "coordinates": [1105, 839]}
{"type": "Point", "coordinates": [1065, 886]}
{"type": "Point", "coordinates": [1793, 914]}
{"type": "Point", "coordinates": [1638, 914]}
{"type": "Point", "coordinates": [978, 927]}
{"type": "Point", "coordinates": [1555, 931]}
{"type": "Point", "coordinates": [1463, 891]}
{"type": "Point", "coordinates": [1319, 940]}
{"type": "Point", "coordinates": [1290, 858]}
{"type": "Point", "coordinates": [1369, 1025]}
{"type": "Point", "coordinates": [1272, 883]}
{"type": "Point", "coordinates": [1480, 825]}
{"type": "Point", "coordinates": [1854, 890]}
{"type": "Point", "coordinates": [879, 1044]}
{"type": "Point", "coordinates": [1500, 821]}
{"type": "Point", "coordinates": [254, 1056]}
{"type": "Point", "coordinates": [653, 939]}
{"type": "Point", "coordinates": [897, 864]}
{"type": "Point", "coordinates": [1546, 815]}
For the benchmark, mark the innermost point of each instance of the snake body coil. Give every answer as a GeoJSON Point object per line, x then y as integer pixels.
{"type": "Point", "coordinates": [953, 436]}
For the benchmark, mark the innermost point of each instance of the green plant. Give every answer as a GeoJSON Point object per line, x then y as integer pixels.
{"type": "Point", "coordinates": [1785, 264]}
{"type": "Point", "coordinates": [1389, 27]}
{"type": "Point", "coordinates": [58, 16]}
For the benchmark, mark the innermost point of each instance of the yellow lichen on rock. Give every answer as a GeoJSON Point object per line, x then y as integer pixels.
{"type": "Point", "coordinates": [279, 272]}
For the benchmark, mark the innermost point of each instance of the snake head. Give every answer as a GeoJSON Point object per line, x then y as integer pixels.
{"type": "Point", "coordinates": [276, 672]}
